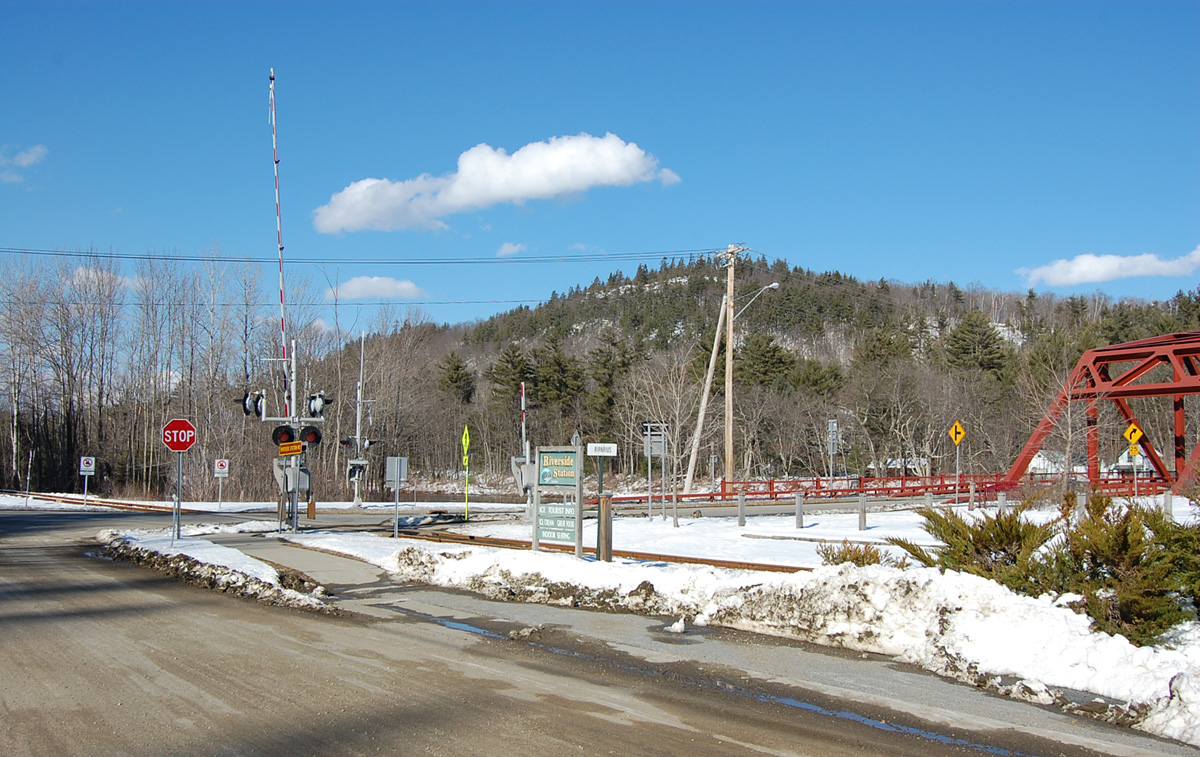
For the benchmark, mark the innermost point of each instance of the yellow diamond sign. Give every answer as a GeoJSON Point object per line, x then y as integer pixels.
{"type": "Point", "coordinates": [957, 433]}
{"type": "Point", "coordinates": [1133, 434]}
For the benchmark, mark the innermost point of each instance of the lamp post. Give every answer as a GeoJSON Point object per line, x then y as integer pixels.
{"type": "Point", "coordinates": [712, 363]}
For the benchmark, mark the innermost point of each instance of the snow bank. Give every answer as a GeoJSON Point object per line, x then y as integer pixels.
{"type": "Point", "coordinates": [202, 562]}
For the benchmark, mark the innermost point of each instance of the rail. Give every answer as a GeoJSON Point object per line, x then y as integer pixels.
{"type": "Point", "coordinates": [492, 541]}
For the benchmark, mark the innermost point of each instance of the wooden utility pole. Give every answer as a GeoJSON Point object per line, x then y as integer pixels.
{"type": "Point", "coordinates": [730, 256]}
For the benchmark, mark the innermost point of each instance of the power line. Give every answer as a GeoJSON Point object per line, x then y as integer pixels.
{"type": "Point", "coordinates": [587, 257]}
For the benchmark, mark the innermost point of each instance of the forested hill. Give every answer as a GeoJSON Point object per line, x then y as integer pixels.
{"type": "Point", "coordinates": [895, 363]}
{"type": "Point", "coordinates": [821, 315]}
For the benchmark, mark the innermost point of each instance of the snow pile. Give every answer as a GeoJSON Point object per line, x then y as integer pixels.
{"type": "Point", "coordinates": [202, 562]}
{"type": "Point", "coordinates": [953, 624]}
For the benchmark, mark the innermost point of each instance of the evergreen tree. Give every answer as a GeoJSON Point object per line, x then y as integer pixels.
{"type": "Point", "coordinates": [975, 343]}
{"type": "Point", "coordinates": [457, 378]}
{"type": "Point", "coordinates": [762, 362]}
{"type": "Point", "coordinates": [506, 375]}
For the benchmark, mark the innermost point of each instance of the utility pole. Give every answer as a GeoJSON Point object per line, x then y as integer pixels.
{"type": "Point", "coordinates": [358, 404]}
{"type": "Point", "coordinates": [712, 366]}
{"type": "Point", "coordinates": [730, 256]}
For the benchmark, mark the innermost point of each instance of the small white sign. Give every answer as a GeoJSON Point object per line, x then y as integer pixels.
{"type": "Point", "coordinates": [601, 450]}
{"type": "Point", "coordinates": [87, 466]}
{"type": "Point", "coordinates": [221, 468]}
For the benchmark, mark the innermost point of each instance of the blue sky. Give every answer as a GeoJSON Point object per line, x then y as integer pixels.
{"type": "Point", "coordinates": [1009, 144]}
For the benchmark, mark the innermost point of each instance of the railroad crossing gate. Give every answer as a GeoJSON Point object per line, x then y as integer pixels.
{"type": "Point", "coordinates": [1161, 366]}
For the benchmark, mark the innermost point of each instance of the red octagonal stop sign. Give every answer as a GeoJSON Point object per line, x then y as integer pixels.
{"type": "Point", "coordinates": [179, 434]}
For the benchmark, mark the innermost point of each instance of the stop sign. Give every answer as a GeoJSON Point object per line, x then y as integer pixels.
{"type": "Point", "coordinates": [179, 435]}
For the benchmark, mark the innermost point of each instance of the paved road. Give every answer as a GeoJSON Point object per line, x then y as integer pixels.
{"type": "Point", "coordinates": [105, 658]}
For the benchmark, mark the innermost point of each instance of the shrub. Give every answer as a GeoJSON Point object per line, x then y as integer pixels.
{"type": "Point", "coordinates": [1118, 558]}
{"type": "Point", "coordinates": [859, 554]}
{"type": "Point", "coordinates": [1001, 547]}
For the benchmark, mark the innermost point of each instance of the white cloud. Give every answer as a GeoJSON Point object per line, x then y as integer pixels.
{"type": "Point", "coordinates": [375, 287]}
{"type": "Point", "coordinates": [489, 176]}
{"type": "Point", "coordinates": [22, 159]}
{"type": "Point", "coordinates": [98, 279]}
{"type": "Point", "coordinates": [26, 158]}
{"type": "Point", "coordinates": [508, 248]}
{"type": "Point", "coordinates": [1086, 269]}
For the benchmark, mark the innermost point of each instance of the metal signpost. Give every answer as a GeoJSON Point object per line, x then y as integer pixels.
{"type": "Point", "coordinates": [220, 472]}
{"type": "Point", "coordinates": [559, 467]}
{"type": "Point", "coordinates": [1133, 435]}
{"type": "Point", "coordinates": [957, 434]}
{"type": "Point", "coordinates": [466, 446]}
{"type": "Point", "coordinates": [831, 442]}
{"type": "Point", "coordinates": [87, 468]}
{"type": "Point", "coordinates": [179, 435]}
{"type": "Point", "coordinates": [654, 442]}
{"type": "Point", "coordinates": [395, 475]}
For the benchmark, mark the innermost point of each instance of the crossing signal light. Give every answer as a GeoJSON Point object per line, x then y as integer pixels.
{"type": "Point", "coordinates": [252, 403]}
{"type": "Point", "coordinates": [283, 434]}
{"type": "Point", "coordinates": [317, 403]}
{"type": "Point", "coordinates": [310, 435]}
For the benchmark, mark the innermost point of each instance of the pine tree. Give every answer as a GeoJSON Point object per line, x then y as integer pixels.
{"type": "Point", "coordinates": [457, 378]}
{"type": "Point", "coordinates": [975, 343]}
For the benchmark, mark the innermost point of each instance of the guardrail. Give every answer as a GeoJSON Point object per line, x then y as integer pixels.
{"type": "Point", "coordinates": [987, 487]}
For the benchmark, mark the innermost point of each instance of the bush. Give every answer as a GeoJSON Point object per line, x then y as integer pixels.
{"type": "Point", "coordinates": [1001, 547]}
{"type": "Point", "coordinates": [859, 554]}
{"type": "Point", "coordinates": [1126, 562]}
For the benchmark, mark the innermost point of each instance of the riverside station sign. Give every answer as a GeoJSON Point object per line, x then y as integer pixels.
{"type": "Point", "coordinates": [559, 471]}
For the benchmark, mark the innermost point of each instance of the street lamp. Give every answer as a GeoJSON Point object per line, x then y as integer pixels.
{"type": "Point", "coordinates": [726, 304]}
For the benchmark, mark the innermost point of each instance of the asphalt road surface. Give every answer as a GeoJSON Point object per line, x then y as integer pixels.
{"type": "Point", "coordinates": [106, 658]}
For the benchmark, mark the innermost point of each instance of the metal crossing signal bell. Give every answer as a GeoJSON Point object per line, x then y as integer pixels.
{"type": "Point", "coordinates": [283, 434]}
{"type": "Point", "coordinates": [317, 403]}
{"type": "Point", "coordinates": [252, 403]}
{"type": "Point", "coordinates": [310, 435]}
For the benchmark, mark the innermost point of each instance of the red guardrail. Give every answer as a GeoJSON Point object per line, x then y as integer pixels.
{"type": "Point", "coordinates": [987, 486]}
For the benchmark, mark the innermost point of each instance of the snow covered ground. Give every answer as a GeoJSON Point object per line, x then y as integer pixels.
{"type": "Point", "coordinates": [953, 624]}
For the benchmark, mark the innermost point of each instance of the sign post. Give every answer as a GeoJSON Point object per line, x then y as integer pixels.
{"type": "Point", "coordinates": [604, 507]}
{"type": "Point", "coordinates": [395, 474]}
{"type": "Point", "coordinates": [466, 445]}
{"type": "Point", "coordinates": [957, 434]}
{"type": "Point", "coordinates": [1133, 435]}
{"type": "Point", "coordinates": [87, 467]}
{"type": "Point", "coordinates": [220, 472]}
{"type": "Point", "coordinates": [179, 435]}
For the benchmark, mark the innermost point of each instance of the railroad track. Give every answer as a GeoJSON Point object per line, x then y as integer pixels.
{"type": "Point", "coordinates": [116, 504]}
{"type": "Point", "coordinates": [440, 536]}
{"type": "Point", "coordinates": [491, 541]}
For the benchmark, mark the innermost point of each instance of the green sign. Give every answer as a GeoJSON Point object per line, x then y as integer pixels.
{"type": "Point", "coordinates": [556, 521]}
{"type": "Point", "coordinates": [558, 468]}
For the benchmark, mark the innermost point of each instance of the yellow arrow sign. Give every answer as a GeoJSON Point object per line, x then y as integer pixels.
{"type": "Point", "coordinates": [957, 433]}
{"type": "Point", "coordinates": [1133, 434]}
{"type": "Point", "coordinates": [466, 440]}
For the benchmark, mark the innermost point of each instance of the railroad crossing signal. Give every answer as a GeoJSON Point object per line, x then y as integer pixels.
{"type": "Point", "coordinates": [957, 433]}
{"type": "Point", "coordinates": [1133, 435]}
